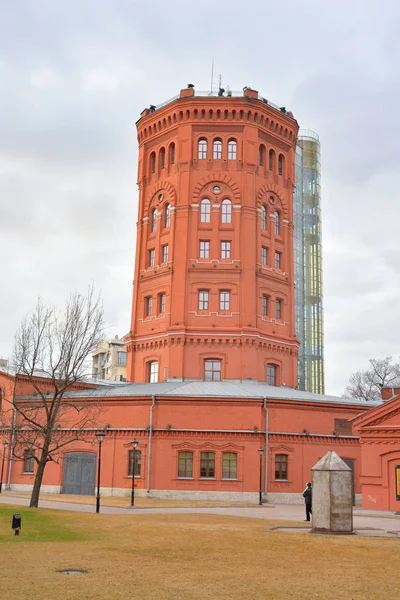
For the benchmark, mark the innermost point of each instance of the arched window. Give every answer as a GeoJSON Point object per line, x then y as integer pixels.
{"type": "Point", "coordinates": [167, 215]}
{"type": "Point", "coordinates": [271, 165]}
{"type": "Point", "coordinates": [281, 466]}
{"type": "Point", "coordinates": [277, 223]}
{"type": "Point", "coordinates": [280, 164]}
{"type": "Point", "coordinates": [261, 155]}
{"type": "Point", "coordinates": [162, 158]}
{"type": "Point", "coordinates": [205, 211]}
{"type": "Point", "coordinates": [264, 215]}
{"type": "Point", "coordinates": [232, 150]}
{"type": "Point", "coordinates": [202, 151]}
{"type": "Point", "coordinates": [135, 460]}
{"type": "Point", "coordinates": [226, 213]}
{"type": "Point", "coordinates": [217, 149]}
{"type": "Point", "coordinates": [153, 162]}
{"type": "Point", "coordinates": [29, 460]}
{"type": "Point", "coordinates": [172, 154]}
{"type": "Point", "coordinates": [153, 220]}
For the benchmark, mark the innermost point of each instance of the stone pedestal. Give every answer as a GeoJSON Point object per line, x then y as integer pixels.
{"type": "Point", "coordinates": [332, 501]}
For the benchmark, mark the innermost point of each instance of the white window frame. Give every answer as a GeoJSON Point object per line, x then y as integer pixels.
{"type": "Point", "coordinates": [204, 249]}
{"type": "Point", "coordinates": [217, 149]}
{"type": "Point", "coordinates": [224, 300]}
{"type": "Point", "coordinates": [226, 249]}
{"type": "Point", "coordinates": [205, 211]}
{"type": "Point", "coordinates": [226, 211]}
{"type": "Point", "coordinates": [153, 371]}
{"type": "Point", "coordinates": [202, 149]}
{"type": "Point", "coordinates": [232, 149]}
{"type": "Point", "coordinates": [203, 302]}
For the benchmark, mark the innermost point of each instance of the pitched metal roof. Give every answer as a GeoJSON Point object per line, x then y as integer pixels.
{"type": "Point", "coordinates": [215, 389]}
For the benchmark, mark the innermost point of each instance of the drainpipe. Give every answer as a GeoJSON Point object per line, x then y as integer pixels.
{"type": "Point", "coordinates": [10, 456]}
{"type": "Point", "coordinates": [153, 403]}
{"type": "Point", "coordinates": [266, 447]}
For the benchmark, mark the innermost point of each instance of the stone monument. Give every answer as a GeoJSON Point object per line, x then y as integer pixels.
{"type": "Point", "coordinates": [332, 496]}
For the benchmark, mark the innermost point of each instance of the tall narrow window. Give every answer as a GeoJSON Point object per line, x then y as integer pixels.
{"type": "Point", "coordinates": [149, 306]}
{"type": "Point", "coordinates": [204, 249]}
{"type": "Point", "coordinates": [122, 359]}
{"type": "Point", "coordinates": [207, 464]}
{"type": "Point", "coordinates": [165, 253]}
{"type": "Point", "coordinates": [278, 260]}
{"type": "Point", "coordinates": [271, 160]}
{"type": "Point", "coordinates": [225, 249]}
{"type": "Point", "coordinates": [229, 465]}
{"type": "Point", "coordinates": [264, 255]}
{"type": "Point", "coordinates": [153, 372]}
{"type": "Point", "coordinates": [185, 464]}
{"type": "Point", "coordinates": [153, 220]}
{"type": "Point", "coordinates": [202, 149]}
{"type": "Point", "coordinates": [217, 150]}
{"type": "Point", "coordinates": [203, 299]}
{"type": "Point", "coordinates": [261, 156]}
{"type": "Point", "coordinates": [172, 154]}
{"type": "Point", "coordinates": [135, 458]}
{"type": "Point", "coordinates": [278, 309]}
{"type": "Point", "coordinates": [280, 164]}
{"type": "Point", "coordinates": [167, 215]}
{"type": "Point", "coordinates": [152, 257]}
{"type": "Point", "coordinates": [277, 223]}
{"type": "Point", "coordinates": [162, 158]}
{"type": "Point", "coordinates": [162, 302]}
{"type": "Point", "coordinates": [232, 150]}
{"type": "Point", "coordinates": [226, 212]}
{"type": "Point", "coordinates": [212, 370]}
{"type": "Point", "coordinates": [264, 217]}
{"type": "Point", "coordinates": [271, 374]}
{"type": "Point", "coordinates": [265, 305]}
{"type": "Point", "coordinates": [281, 466]}
{"type": "Point", "coordinates": [29, 460]}
{"type": "Point", "coordinates": [205, 211]}
{"type": "Point", "coordinates": [153, 162]}
{"type": "Point", "coordinates": [224, 300]}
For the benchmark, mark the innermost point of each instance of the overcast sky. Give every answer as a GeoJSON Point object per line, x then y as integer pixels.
{"type": "Point", "coordinates": [74, 76]}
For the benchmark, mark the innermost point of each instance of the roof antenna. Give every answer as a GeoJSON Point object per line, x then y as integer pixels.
{"type": "Point", "coordinates": [221, 90]}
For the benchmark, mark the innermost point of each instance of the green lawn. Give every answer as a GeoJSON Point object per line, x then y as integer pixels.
{"type": "Point", "coordinates": [186, 557]}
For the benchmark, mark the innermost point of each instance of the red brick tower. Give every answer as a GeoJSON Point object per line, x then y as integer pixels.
{"type": "Point", "coordinates": [214, 285]}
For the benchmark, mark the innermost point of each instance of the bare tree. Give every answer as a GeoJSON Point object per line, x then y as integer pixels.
{"type": "Point", "coordinates": [368, 384]}
{"type": "Point", "coordinates": [51, 351]}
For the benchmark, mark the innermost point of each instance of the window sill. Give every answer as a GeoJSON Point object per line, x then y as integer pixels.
{"type": "Point", "coordinates": [186, 478]}
{"type": "Point", "coordinates": [130, 477]}
{"type": "Point", "coordinates": [282, 481]}
{"type": "Point", "coordinates": [28, 473]}
{"type": "Point", "coordinates": [208, 478]}
{"type": "Point", "coordinates": [229, 479]}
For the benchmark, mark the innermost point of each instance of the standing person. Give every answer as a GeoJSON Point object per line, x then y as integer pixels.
{"type": "Point", "coordinates": [307, 495]}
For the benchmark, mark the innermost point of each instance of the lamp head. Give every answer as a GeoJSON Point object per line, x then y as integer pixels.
{"type": "Point", "coordinates": [5, 444]}
{"type": "Point", "coordinates": [134, 443]}
{"type": "Point", "coordinates": [261, 451]}
{"type": "Point", "coordinates": [100, 436]}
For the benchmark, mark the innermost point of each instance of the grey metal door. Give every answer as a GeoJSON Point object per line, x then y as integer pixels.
{"type": "Point", "coordinates": [350, 463]}
{"type": "Point", "coordinates": [79, 473]}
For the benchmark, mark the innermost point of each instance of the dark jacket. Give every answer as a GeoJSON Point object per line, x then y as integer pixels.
{"type": "Point", "coordinates": [307, 495]}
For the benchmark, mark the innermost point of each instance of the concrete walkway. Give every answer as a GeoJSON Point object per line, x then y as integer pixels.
{"type": "Point", "coordinates": [384, 521]}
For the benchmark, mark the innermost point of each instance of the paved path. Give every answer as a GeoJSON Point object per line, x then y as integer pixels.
{"type": "Point", "coordinates": [383, 520]}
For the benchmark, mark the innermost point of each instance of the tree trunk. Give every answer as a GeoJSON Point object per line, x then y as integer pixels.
{"type": "Point", "coordinates": [34, 503]}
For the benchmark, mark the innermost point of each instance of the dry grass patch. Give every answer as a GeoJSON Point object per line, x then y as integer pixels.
{"type": "Point", "coordinates": [195, 557]}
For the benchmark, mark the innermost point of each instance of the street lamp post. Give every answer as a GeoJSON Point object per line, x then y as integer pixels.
{"type": "Point", "coordinates": [260, 452]}
{"type": "Point", "coordinates": [134, 446]}
{"type": "Point", "coordinates": [100, 438]}
{"type": "Point", "coordinates": [5, 444]}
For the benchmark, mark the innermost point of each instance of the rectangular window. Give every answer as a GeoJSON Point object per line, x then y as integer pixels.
{"type": "Point", "coordinates": [162, 302]}
{"type": "Point", "coordinates": [152, 257]}
{"type": "Point", "coordinates": [281, 466]}
{"type": "Point", "coordinates": [271, 374]}
{"type": "Point", "coordinates": [212, 370]}
{"type": "Point", "coordinates": [264, 255]}
{"type": "Point", "coordinates": [207, 464]}
{"type": "Point", "coordinates": [204, 249]}
{"type": "Point", "coordinates": [165, 253]}
{"type": "Point", "coordinates": [278, 309]}
{"type": "Point", "coordinates": [122, 359]}
{"type": "Point", "coordinates": [265, 305]}
{"type": "Point", "coordinates": [149, 306]}
{"type": "Point", "coordinates": [29, 461]}
{"type": "Point", "coordinates": [278, 257]}
{"type": "Point", "coordinates": [203, 300]}
{"type": "Point", "coordinates": [225, 249]}
{"type": "Point", "coordinates": [224, 300]}
{"type": "Point", "coordinates": [153, 372]}
{"type": "Point", "coordinates": [185, 464]}
{"type": "Point", "coordinates": [229, 465]}
{"type": "Point", "coordinates": [137, 460]}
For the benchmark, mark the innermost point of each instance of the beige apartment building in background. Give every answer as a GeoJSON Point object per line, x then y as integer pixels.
{"type": "Point", "coordinates": [109, 360]}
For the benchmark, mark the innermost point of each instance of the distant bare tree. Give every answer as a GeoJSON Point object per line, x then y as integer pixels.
{"type": "Point", "coordinates": [54, 345]}
{"type": "Point", "coordinates": [368, 384]}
